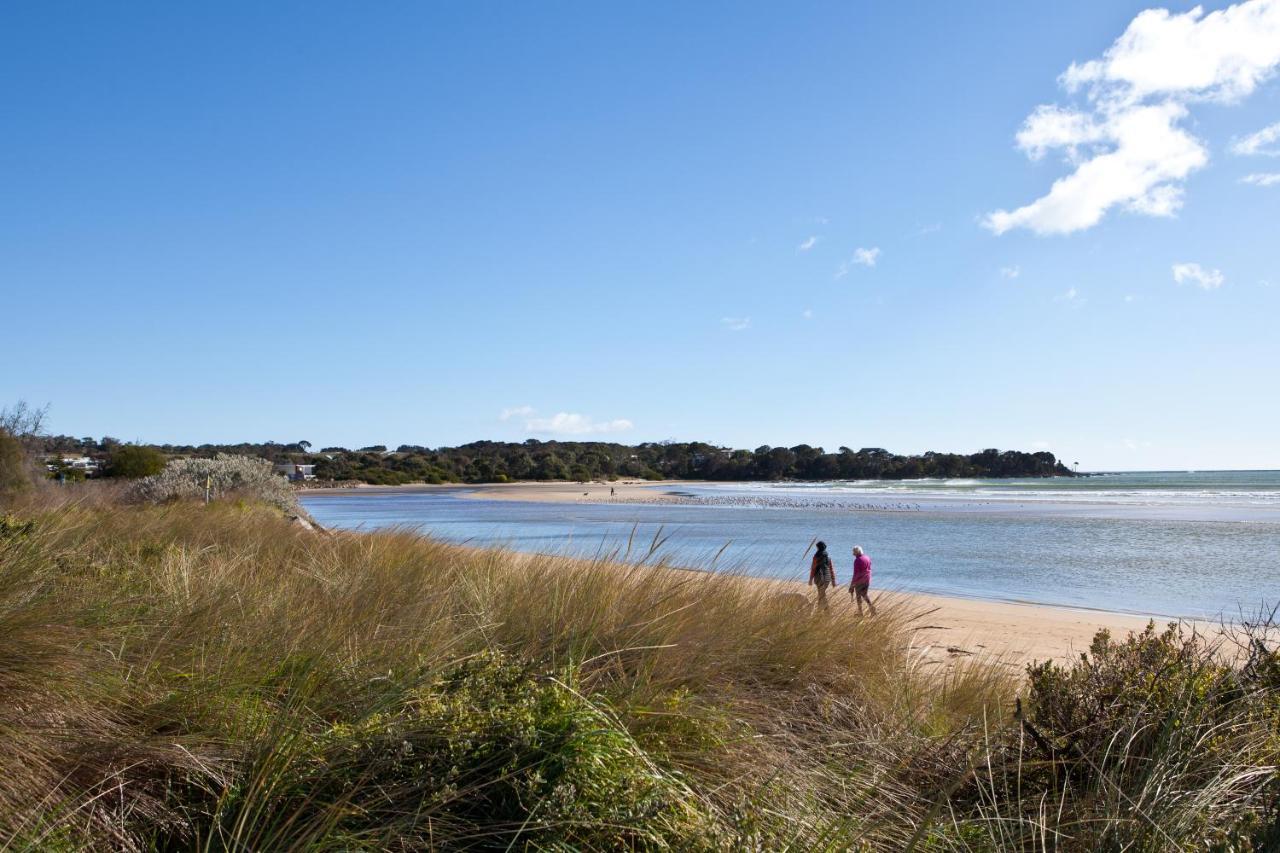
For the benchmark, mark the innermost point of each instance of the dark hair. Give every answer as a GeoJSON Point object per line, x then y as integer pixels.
{"type": "Point", "coordinates": [822, 546]}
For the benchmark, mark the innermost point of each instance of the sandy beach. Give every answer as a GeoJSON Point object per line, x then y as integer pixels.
{"type": "Point", "coordinates": [628, 491]}
{"type": "Point", "coordinates": [948, 628]}
{"type": "Point", "coordinates": [621, 491]}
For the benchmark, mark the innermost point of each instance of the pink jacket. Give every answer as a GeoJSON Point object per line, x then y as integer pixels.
{"type": "Point", "coordinates": [861, 569]}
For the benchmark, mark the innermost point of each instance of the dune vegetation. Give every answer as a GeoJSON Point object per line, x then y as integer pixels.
{"type": "Point", "coordinates": [189, 677]}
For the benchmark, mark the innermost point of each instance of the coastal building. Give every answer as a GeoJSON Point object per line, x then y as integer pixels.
{"type": "Point", "coordinates": [79, 463]}
{"type": "Point", "coordinates": [296, 471]}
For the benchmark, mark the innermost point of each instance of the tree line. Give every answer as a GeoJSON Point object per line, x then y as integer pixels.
{"type": "Point", "coordinates": [493, 461]}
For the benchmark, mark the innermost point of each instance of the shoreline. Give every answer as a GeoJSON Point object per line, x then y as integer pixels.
{"type": "Point", "coordinates": [1015, 633]}
{"type": "Point", "coordinates": [954, 627]}
{"type": "Point", "coordinates": [657, 492]}
{"type": "Point", "coordinates": [551, 491]}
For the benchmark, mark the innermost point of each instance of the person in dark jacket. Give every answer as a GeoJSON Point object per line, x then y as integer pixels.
{"type": "Point", "coordinates": [822, 573]}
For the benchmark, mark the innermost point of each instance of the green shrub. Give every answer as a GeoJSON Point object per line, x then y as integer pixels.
{"type": "Point", "coordinates": [486, 751]}
{"type": "Point", "coordinates": [13, 528]}
{"type": "Point", "coordinates": [135, 460]}
{"type": "Point", "coordinates": [15, 468]}
{"type": "Point", "coordinates": [1161, 736]}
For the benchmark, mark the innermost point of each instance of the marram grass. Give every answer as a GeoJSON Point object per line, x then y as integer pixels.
{"type": "Point", "coordinates": [182, 677]}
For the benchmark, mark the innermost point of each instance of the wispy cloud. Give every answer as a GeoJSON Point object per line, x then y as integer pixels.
{"type": "Point", "coordinates": [1010, 272]}
{"type": "Point", "coordinates": [736, 324]}
{"type": "Point", "coordinates": [1262, 179]}
{"type": "Point", "coordinates": [1126, 142]}
{"type": "Point", "coordinates": [566, 423]}
{"type": "Point", "coordinates": [1205, 279]}
{"type": "Point", "coordinates": [861, 257]}
{"type": "Point", "coordinates": [931, 228]}
{"type": "Point", "coordinates": [1068, 295]}
{"type": "Point", "coordinates": [563, 423]}
{"type": "Point", "coordinates": [516, 412]}
{"type": "Point", "coordinates": [1261, 142]}
{"type": "Point", "coordinates": [808, 244]}
{"type": "Point", "coordinates": [866, 257]}
{"type": "Point", "coordinates": [807, 313]}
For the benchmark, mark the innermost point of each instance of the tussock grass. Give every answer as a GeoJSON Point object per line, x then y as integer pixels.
{"type": "Point", "coordinates": [188, 677]}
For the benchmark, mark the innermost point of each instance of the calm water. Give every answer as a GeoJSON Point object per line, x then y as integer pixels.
{"type": "Point", "coordinates": [1186, 543]}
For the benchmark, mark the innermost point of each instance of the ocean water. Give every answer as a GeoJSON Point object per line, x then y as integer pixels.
{"type": "Point", "coordinates": [1197, 544]}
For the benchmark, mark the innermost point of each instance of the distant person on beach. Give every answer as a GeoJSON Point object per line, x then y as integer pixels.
{"type": "Point", "coordinates": [861, 580]}
{"type": "Point", "coordinates": [822, 573]}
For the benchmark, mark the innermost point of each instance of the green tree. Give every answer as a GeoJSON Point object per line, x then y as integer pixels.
{"type": "Point", "coordinates": [15, 472]}
{"type": "Point", "coordinates": [135, 460]}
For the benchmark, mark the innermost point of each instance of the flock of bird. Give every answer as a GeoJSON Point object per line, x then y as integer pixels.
{"type": "Point", "coordinates": [774, 502]}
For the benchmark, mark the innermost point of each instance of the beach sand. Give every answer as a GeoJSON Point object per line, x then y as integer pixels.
{"type": "Point", "coordinates": [947, 630]}
{"type": "Point", "coordinates": [625, 491]}
{"type": "Point", "coordinates": [1015, 633]}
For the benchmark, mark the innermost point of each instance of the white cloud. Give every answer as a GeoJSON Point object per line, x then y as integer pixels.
{"type": "Point", "coordinates": [1222, 56]}
{"type": "Point", "coordinates": [861, 257]}
{"type": "Point", "coordinates": [736, 324]}
{"type": "Point", "coordinates": [1144, 156]}
{"type": "Point", "coordinates": [1262, 179]}
{"type": "Point", "coordinates": [808, 244]}
{"type": "Point", "coordinates": [1259, 142]}
{"type": "Point", "coordinates": [1201, 277]}
{"type": "Point", "coordinates": [1067, 296]}
{"type": "Point", "coordinates": [565, 423]}
{"type": "Point", "coordinates": [1129, 297]}
{"type": "Point", "coordinates": [1126, 141]}
{"type": "Point", "coordinates": [1010, 272]}
{"type": "Point", "coordinates": [866, 257]}
{"type": "Point", "coordinates": [931, 228]}
{"type": "Point", "coordinates": [516, 412]}
{"type": "Point", "coordinates": [807, 313]}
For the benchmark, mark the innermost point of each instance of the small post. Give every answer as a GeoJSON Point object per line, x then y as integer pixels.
{"type": "Point", "coordinates": [208, 486]}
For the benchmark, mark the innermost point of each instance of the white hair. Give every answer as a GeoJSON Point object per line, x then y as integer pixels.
{"type": "Point", "coordinates": [857, 550]}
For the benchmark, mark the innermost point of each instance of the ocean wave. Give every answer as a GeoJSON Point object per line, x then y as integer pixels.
{"type": "Point", "coordinates": [1247, 488]}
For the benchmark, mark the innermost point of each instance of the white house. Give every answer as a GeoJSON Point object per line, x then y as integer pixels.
{"type": "Point", "coordinates": [80, 463]}
{"type": "Point", "coordinates": [295, 471]}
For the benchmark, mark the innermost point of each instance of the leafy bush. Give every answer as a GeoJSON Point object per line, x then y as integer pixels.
{"type": "Point", "coordinates": [135, 460]}
{"type": "Point", "coordinates": [223, 475]}
{"type": "Point", "coordinates": [1139, 736]}
{"type": "Point", "coordinates": [487, 750]}
{"type": "Point", "coordinates": [15, 471]}
{"type": "Point", "coordinates": [13, 528]}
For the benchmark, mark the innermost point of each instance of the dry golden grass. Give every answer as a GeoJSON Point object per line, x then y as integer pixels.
{"type": "Point", "coordinates": [190, 677]}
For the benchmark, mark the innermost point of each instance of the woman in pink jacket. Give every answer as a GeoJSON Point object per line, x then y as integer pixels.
{"type": "Point", "coordinates": [861, 580]}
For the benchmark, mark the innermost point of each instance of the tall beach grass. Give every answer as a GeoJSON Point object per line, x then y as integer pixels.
{"type": "Point", "coordinates": [183, 677]}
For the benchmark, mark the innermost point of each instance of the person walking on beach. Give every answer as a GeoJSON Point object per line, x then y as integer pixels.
{"type": "Point", "coordinates": [861, 581]}
{"type": "Point", "coordinates": [822, 573]}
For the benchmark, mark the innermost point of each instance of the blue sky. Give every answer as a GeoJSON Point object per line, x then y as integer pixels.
{"type": "Point", "coordinates": [830, 223]}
